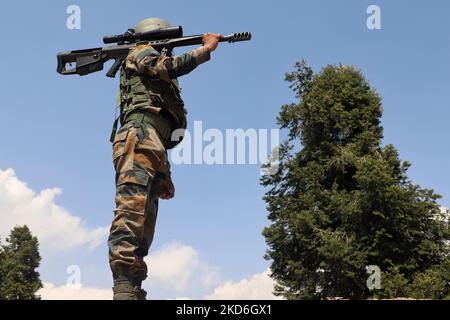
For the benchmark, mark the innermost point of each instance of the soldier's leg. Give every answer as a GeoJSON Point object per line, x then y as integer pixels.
{"type": "Point", "coordinates": [127, 232]}
{"type": "Point", "coordinates": [125, 240]}
{"type": "Point", "coordinates": [136, 162]}
{"type": "Point", "coordinates": [152, 148]}
{"type": "Point", "coordinates": [151, 213]}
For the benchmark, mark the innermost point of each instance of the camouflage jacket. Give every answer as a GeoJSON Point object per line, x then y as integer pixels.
{"type": "Point", "coordinates": [149, 81]}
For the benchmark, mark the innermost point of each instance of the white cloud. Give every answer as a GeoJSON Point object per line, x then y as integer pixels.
{"type": "Point", "coordinates": [73, 292]}
{"type": "Point", "coordinates": [257, 287]}
{"type": "Point", "coordinates": [55, 227]}
{"type": "Point", "coordinates": [177, 266]}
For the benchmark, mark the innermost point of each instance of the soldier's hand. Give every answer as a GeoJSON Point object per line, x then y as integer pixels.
{"type": "Point", "coordinates": [211, 41]}
{"type": "Point", "coordinates": [167, 189]}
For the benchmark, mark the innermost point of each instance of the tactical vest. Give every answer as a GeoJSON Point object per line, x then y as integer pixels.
{"type": "Point", "coordinates": [139, 91]}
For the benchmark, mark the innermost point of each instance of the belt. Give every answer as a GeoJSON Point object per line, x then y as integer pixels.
{"type": "Point", "coordinates": [161, 124]}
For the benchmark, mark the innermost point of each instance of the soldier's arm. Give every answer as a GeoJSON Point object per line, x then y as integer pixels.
{"type": "Point", "coordinates": [146, 60]}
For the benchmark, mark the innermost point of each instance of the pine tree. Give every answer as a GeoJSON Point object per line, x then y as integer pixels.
{"type": "Point", "coordinates": [341, 202]}
{"type": "Point", "coordinates": [19, 259]}
{"type": "Point", "coordinates": [2, 259]}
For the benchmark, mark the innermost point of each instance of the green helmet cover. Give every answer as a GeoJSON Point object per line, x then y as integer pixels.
{"type": "Point", "coordinates": [151, 24]}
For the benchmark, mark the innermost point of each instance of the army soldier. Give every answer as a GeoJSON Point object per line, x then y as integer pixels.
{"type": "Point", "coordinates": [151, 110]}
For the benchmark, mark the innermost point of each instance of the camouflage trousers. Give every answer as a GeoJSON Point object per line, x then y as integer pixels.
{"type": "Point", "coordinates": [139, 158]}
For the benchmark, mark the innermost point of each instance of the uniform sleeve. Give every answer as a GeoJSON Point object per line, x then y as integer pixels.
{"type": "Point", "coordinates": [146, 60]}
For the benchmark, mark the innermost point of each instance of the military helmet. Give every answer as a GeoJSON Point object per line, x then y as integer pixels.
{"type": "Point", "coordinates": [151, 24]}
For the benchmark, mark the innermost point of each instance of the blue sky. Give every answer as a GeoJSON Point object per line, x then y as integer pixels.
{"type": "Point", "coordinates": [55, 129]}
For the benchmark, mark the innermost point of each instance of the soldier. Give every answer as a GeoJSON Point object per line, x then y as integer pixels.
{"type": "Point", "coordinates": [151, 110]}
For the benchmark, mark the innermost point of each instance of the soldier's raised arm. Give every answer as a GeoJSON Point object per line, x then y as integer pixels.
{"type": "Point", "coordinates": [144, 59]}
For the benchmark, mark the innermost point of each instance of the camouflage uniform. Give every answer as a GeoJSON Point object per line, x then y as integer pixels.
{"type": "Point", "coordinates": [151, 108]}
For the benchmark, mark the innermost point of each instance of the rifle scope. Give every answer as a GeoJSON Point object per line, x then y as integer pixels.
{"type": "Point", "coordinates": [131, 36]}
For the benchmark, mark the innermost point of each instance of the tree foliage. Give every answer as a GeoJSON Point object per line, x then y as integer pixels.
{"type": "Point", "coordinates": [19, 259]}
{"type": "Point", "coordinates": [342, 201]}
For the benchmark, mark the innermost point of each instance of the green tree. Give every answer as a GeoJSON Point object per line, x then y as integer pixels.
{"type": "Point", "coordinates": [340, 202]}
{"type": "Point", "coordinates": [19, 259]}
{"type": "Point", "coordinates": [1, 267]}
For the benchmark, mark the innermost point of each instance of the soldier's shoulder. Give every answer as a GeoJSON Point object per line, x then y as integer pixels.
{"type": "Point", "coordinates": [143, 49]}
{"type": "Point", "coordinates": [138, 53]}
